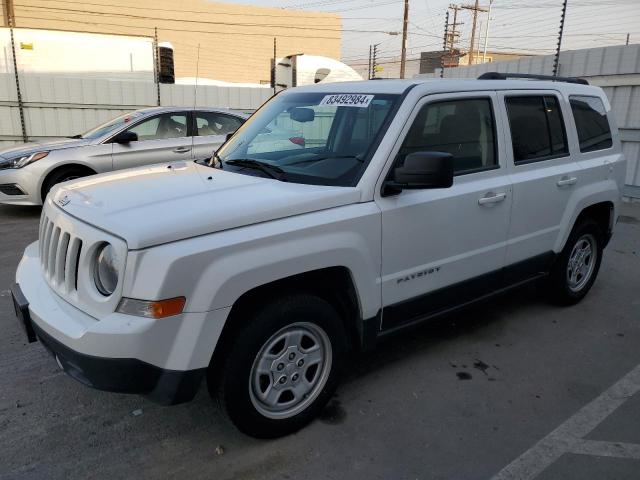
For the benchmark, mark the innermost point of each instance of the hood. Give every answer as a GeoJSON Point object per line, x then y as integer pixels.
{"type": "Point", "coordinates": [32, 147]}
{"type": "Point", "coordinates": [167, 202]}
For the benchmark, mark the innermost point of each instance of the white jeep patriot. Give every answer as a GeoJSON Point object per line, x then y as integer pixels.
{"type": "Point", "coordinates": [392, 202]}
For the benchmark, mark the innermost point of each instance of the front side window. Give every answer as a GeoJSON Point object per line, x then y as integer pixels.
{"type": "Point", "coordinates": [313, 138]}
{"type": "Point", "coordinates": [167, 125]}
{"type": "Point", "coordinates": [213, 123]}
{"type": "Point", "coordinates": [537, 128]}
{"type": "Point", "coordinates": [592, 124]}
{"type": "Point", "coordinates": [464, 128]}
{"type": "Point", "coordinates": [111, 125]}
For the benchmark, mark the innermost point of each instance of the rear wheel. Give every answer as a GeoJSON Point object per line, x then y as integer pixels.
{"type": "Point", "coordinates": [577, 266]}
{"type": "Point", "coordinates": [282, 367]}
{"type": "Point", "coordinates": [62, 175]}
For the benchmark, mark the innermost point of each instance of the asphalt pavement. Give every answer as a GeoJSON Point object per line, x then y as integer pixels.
{"type": "Point", "coordinates": [511, 389]}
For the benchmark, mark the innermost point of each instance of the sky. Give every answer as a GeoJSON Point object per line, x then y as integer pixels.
{"type": "Point", "coordinates": [528, 26]}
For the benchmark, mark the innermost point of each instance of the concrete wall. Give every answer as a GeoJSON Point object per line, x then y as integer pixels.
{"type": "Point", "coordinates": [56, 106]}
{"type": "Point", "coordinates": [236, 53]}
{"type": "Point", "coordinates": [615, 69]}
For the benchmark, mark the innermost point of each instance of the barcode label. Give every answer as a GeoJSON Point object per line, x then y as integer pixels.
{"type": "Point", "coordinates": [347, 100]}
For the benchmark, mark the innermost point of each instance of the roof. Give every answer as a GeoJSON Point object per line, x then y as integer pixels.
{"type": "Point", "coordinates": [438, 85]}
{"type": "Point", "coordinates": [178, 108]}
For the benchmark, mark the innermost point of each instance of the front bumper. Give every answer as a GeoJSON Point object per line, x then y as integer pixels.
{"type": "Point", "coordinates": [121, 375]}
{"type": "Point", "coordinates": [164, 360]}
{"type": "Point", "coordinates": [19, 186]}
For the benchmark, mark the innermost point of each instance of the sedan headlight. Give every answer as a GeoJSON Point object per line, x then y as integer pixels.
{"type": "Point", "coordinates": [25, 160]}
{"type": "Point", "coordinates": [106, 273]}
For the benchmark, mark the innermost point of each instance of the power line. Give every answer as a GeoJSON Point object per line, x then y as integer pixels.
{"type": "Point", "coordinates": [207, 22]}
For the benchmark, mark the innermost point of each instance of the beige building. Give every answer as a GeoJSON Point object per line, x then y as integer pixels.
{"type": "Point", "coordinates": [236, 41]}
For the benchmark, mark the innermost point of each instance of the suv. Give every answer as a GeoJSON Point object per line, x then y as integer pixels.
{"type": "Point", "coordinates": [260, 271]}
{"type": "Point", "coordinates": [150, 135]}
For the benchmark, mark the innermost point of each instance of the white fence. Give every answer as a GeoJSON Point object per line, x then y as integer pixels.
{"type": "Point", "coordinates": [56, 106]}
{"type": "Point", "coordinates": [615, 69]}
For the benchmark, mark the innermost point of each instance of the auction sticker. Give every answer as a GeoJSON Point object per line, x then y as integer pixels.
{"type": "Point", "coordinates": [347, 100]}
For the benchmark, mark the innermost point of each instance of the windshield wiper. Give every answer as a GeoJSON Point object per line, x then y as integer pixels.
{"type": "Point", "coordinates": [272, 171]}
{"type": "Point", "coordinates": [75, 136]}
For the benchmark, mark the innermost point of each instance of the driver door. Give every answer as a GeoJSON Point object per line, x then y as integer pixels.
{"type": "Point", "coordinates": [161, 138]}
{"type": "Point", "coordinates": [442, 247]}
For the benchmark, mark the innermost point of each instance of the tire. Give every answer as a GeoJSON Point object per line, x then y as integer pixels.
{"type": "Point", "coordinates": [60, 176]}
{"type": "Point", "coordinates": [569, 284]}
{"type": "Point", "coordinates": [302, 343]}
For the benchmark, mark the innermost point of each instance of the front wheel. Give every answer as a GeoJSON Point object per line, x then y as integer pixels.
{"type": "Point", "coordinates": [283, 366]}
{"type": "Point", "coordinates": [577, 266]}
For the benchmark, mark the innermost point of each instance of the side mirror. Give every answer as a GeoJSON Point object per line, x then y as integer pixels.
{"type": "Point", "coordinates": [126, 137]}
{"type": "Point", "coordinates": [423, 170]}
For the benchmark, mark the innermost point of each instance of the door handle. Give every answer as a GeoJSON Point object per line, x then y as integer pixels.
{"type": "Point", "coordinates": [182, 149]}
{"type": "Point", "coordinates": [491, 197]}
{"type": "Point", "coordinates": [564, 181]}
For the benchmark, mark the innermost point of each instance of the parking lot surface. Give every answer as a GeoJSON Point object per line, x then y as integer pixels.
{"type": "Point", "coordinates": [512, 388]}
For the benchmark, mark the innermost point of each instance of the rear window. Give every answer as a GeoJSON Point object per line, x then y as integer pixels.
{"type": "Point", "coordinates": [537, 128]}
{"type": "Point", "coordinates": [592, 124]}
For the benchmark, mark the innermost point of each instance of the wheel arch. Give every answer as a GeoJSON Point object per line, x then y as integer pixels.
{"type": "Point", "coordinates": [597, 200]}
{"type": "Point", "coordinates": [602, 212]}
{"type": "Point", "coordinates": [333, 284]}
{"type": "Point", "coordinates": [59, 168]}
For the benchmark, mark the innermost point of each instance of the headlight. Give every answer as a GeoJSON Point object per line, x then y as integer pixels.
{"type": "Point", "coordinates": [105, 273]}
{"type": "Point", "coordinates": [25, 160]}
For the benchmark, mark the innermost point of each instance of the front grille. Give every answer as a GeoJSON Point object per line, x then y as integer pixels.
{"type": "Point", "coordinates": [59, 255]}
{"type": "Point", "coordinates": [11, 189]}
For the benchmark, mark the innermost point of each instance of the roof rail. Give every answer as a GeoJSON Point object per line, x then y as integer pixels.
{"type": "Point", "coordinates": [505, 76]}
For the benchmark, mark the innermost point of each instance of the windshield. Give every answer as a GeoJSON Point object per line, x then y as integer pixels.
{"type": "Point", "coordinates": [313, 138]}
{"type": "Point", "coordinates": [111, 125]}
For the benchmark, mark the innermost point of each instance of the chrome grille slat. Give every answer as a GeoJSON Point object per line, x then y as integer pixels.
{"type": "Point", "coordinates": [45, 246]}
{"type": "Point", "coordinates": [61, 258]}
{"type": "Point", "coordinates": [71, 264]}
{"type": "Point", "coordinates": [43, 223]}
{"type": "Point", "coordinates": [53, 249]}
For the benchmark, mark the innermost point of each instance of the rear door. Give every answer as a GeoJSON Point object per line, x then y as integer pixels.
{"type": "Point", "coordinates": [543, 174]}
{"type": "Point", "coordinates": [210, 130]}
{"type": "Point", "coordinates": [161, 138]}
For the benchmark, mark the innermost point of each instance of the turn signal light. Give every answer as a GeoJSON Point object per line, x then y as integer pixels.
{"type": "Point", "coordinates": [152, 309]}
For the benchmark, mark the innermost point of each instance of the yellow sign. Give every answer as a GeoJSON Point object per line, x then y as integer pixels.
{"type": "Point", "coordinates": [26, 46]}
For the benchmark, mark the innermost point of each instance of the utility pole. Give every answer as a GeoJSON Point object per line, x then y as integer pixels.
{"type": "Point", "coordinates": [8, 11]}
{"type": "Point", "coordinates": [475, 9]}
{"type": "Point", "coordinates": [374, 60]}
{"type": "Point", "coordinates": [273, 66]}
{"type": "Point", "coordinates": [156, 58]}
{"type": "Point", "coordinates": [486, 33]}
{"type": "Point", "coordinates": [454, 34]}
{"type": "Point", "coordinates": [369, 70]}
{"type": "Point", "coordinates": [556, 60]}
{"type": "Point", "coordinates": [405, 23]}
{"type": "Point", "coordinates": [10, 23]}
{"type": "Point", "coordinates": [445, 44]}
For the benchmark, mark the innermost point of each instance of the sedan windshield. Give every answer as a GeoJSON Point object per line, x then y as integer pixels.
{"type": "Point", "coordinates": [313, 138]}
{"type": "Point", "coordinates": [111, 125]}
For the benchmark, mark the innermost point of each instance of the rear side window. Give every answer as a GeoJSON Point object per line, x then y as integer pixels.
{"type": "Point", "coordinates": [537, 128]}
{"type": "Point", "coordinates": [213, 123]}
{"type": "Point", "coordinates": [592, 124]}
{"type": "Point", "coordinates": [464, 128]}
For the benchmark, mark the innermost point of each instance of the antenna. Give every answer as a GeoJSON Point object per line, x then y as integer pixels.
{"type": "Point", "coordinates": [195, 87]}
